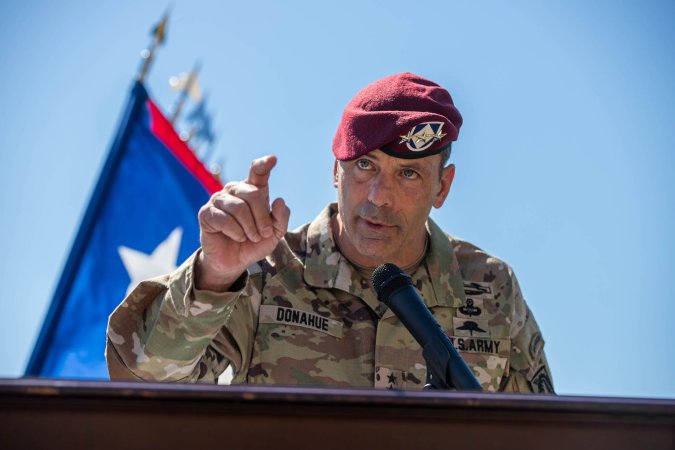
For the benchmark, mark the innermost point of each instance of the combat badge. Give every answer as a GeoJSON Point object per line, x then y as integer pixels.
{"type": "Point", "coordinates": [480, 289]}
{"type": "Point", "coordinates": [541, 382]}
{"type": "Point", "coordinates": [423, 135]}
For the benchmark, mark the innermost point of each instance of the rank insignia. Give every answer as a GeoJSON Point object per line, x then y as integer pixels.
{"type": "Point", "coordinates": [423, 135]}
{"type": "Point", "coordinates": [389, 378]}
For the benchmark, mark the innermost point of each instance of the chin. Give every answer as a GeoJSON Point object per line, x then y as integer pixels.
{"type": "Point", "coordinates": [377, 250]}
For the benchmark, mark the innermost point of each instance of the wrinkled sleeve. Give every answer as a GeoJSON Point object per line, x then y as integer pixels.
{"type": "Point", "coordinates": [166, 330]}
{"type": "Point", "coordinates": [529, 370]}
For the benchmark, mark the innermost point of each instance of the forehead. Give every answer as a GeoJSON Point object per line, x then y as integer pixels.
{"type": "Point", "coordinates": [427, 162]}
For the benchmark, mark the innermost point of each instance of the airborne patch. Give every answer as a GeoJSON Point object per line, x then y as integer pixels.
{"type": "Point", "coordinates": [536, 344]}
{"type": "Point", "coordinates": [300, 318]}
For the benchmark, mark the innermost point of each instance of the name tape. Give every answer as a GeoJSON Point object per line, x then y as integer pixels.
{"type": "Point", "coordinates": [291, 316]}
{"type": "Point", "coordinates": [501, 347]}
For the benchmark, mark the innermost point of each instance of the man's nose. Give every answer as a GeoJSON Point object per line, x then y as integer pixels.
{"type": "Point", "coordinates": [380, 193]}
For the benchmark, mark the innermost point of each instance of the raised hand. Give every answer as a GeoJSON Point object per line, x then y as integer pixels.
{"type": "Point", "coordinates": [238, 227]}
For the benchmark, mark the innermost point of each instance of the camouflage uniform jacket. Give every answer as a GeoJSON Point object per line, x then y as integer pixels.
{"type": "Point", "coordinates": [305, 316]}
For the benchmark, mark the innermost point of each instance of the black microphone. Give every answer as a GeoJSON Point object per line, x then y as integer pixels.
{"type": "Point", "coordinates": [448, 370]}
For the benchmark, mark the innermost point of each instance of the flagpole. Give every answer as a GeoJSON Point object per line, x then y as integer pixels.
{"type": "Point", "coordinates": [184, 93]}
{"type": "Point", "coordinates": [137, 98]}
{"type": "Point", "coordinates": [148, 54]}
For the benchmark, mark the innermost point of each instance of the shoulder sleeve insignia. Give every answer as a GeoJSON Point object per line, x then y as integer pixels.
{"type": "Point", "coordinates": [541, 382]}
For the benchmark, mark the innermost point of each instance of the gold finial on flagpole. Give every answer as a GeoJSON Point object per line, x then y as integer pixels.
{"type": "Point", "coordinates": [159, 36]}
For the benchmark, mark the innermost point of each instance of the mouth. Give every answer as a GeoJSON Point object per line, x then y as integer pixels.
{"type": "Point", "coordinates": [375, 224]}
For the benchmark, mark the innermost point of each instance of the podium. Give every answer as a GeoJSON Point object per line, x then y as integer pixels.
{"type": "Point", "coordinates": [60, 414]}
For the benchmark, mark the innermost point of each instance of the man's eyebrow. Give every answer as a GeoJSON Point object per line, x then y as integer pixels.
{"type": "Point", "coordinates": [372, 155]}
{"type": "Point", "coordinates": [412, 164]}
{"type": "Point", "coordinates": [403, 164]}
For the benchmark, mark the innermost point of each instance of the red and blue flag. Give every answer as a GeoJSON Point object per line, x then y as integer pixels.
{"type": "Point", "coordinates": [140, 222]}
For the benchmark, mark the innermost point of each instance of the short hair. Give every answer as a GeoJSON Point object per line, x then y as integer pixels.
{"type": "Point", "coordinates": [445, 157]}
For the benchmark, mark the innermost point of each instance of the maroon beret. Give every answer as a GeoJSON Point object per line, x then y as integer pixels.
{"type": "Point", "coordinates": [404, 115]}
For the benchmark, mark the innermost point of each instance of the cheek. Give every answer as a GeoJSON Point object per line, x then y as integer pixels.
{"type": "Point", "coordinates": [349, 191]}
{"type": "Point", "coordinates": [418, 205]}
{"type": "Point", "coordinates": [345, 198]}
{"type": "Point", "coordinates": [420, 213]}
{"type": "Point", "coordinates": [416, 193]}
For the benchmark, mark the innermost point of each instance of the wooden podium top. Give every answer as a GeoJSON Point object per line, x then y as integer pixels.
{"type": "Point", "coordinates": [39, 413]}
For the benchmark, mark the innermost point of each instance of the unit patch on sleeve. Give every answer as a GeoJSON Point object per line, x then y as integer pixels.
{"type": "Point", "coordinates": [300, 318]}
{"type": "Point", "coordinates": [541, 382]}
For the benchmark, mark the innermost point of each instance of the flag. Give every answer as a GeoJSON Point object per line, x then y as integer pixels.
{"type": "Point", "coordinates": [187, 82]}
{"type": "Point", "coordinates": [141, 222]}
{"type": "Point", "coordinates": [201, 120]}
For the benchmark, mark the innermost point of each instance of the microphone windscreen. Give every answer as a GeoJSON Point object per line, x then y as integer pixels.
{"type": "Point", "coordinates": [386, 279]}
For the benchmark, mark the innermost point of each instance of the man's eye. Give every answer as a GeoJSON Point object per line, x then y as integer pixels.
{"type": "Point", "coordinates": [363, 164]}
{"type": "Point", "coordinates": [409, 173]}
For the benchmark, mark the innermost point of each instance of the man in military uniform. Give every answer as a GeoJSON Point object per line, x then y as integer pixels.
{"type": "Point", "coordinates": [297, 307]}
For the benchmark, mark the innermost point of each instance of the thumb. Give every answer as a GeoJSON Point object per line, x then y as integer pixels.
{"type": "Point", "coordinates": [280, 216]}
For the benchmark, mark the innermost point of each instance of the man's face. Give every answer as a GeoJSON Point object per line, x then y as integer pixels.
{"type": "Point", "coordinates": [383, 204]}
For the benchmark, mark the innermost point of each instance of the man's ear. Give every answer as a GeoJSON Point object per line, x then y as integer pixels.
{"type": "Point", "coordinates": [447, 176]}
{"type": "Point", "coordinates": [335, 173]}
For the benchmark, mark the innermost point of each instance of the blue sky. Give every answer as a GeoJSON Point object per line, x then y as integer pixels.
{"type": "Point", "coordinates": [564, 161]}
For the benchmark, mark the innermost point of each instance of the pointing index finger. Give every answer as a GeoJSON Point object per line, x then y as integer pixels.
{"type": "Point", "coordinates": [259, 174]}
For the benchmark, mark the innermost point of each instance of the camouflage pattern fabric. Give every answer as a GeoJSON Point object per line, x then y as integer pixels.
{"type": "Point", "coordinates": [305, 316]}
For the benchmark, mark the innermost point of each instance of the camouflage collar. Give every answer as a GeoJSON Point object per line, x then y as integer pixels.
{"type": "Point", "coordinates": [438, 279]}
{"type": "Point", "coordinates": [443, 268]}
{"type": "Point", "coordinates": [323, 257]}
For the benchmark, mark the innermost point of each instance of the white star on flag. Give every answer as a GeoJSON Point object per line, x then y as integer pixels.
{"type": "Point", "coordinates": [141, 266]}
